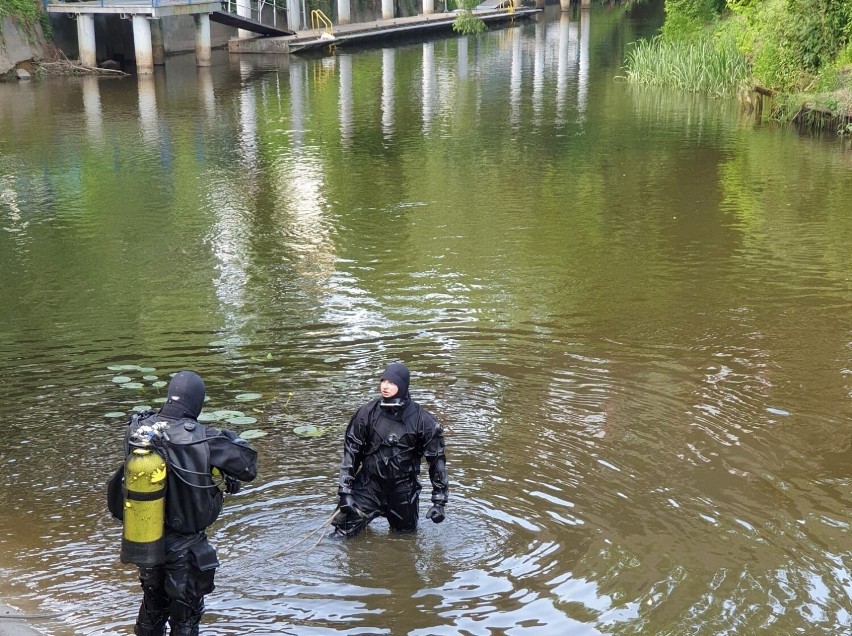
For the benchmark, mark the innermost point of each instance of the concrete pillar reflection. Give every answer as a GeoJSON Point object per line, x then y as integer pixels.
{"type": "Point", "coordinates": [583, 68]}
{"type": "Point", "coordinates": [428, 83]}
{"type": "Point", "coordinates": [345, 106]}
{"type": "Point", "coordinates": [205, 90]}
{"type": "Point", "coordinates": [515, 78]}
{"type": "Point", "coordinates": [142, 45]}
{"type": "Point", "coordinates": [388, 70]}
{"type": "Point", "coordinates": [202, 39]}
{"type": "Point", "coordinates": [92, 107]}
{"type": "Point", "coordinates": [387, 9]}
{"type": "Point", "coordinates": [297, 91]}
{"type": "Point", "coordinates": [538, 68]}
{"type": "Point", "coordinates": [158, 43]}
{"type": "Point", "coordinates": [343, 13]}
{"type": "Point", "coordinates": [148, 124]}
{"type": "Point", "coordinates": [463, 63]}
{"type": "Point", "coordinates": [86, 39]}
{"type": "Point", "coordinates": [248, 118]}
{"type": "Point", "coordinates": [563, 63]}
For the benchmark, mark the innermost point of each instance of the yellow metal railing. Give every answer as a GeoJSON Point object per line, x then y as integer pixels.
{"type": "Point", "coordinates": [320, 21]}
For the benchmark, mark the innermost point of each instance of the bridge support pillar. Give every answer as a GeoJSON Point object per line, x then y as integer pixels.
{"type": "Point", "coordinates": [86, 39]}
{"type": "Point", "coordinates": [387, 10]}
{"type": "Point", "coordinates": [565, 5]}
{"type": "Point", "coordinates": [343, 16]}
{"type": "Point", "coordinates": [158, 43]}
{"type": "Point", "coordinates": [294, 15]}
{"type": "Point", "coordinates": [202, 39]}
{"type": "Point", "coordinates": [143, 46]}
{"type": "Point", "coordinates": [244, 11]}
{"type": "Point", "coordinates": [428, 7]}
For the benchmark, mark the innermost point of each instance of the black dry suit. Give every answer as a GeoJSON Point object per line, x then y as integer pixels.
{"type": "Point", "coordinates": [382, 452]}
{"type": "Point", "coordinates": [175, 590]}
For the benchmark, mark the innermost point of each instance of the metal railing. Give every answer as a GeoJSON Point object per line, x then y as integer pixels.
{"type": "Point", "coordinates": [320, 21]}
{"type": "Point", "coordinates": [256, 8]}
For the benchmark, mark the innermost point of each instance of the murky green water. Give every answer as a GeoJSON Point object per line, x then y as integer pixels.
{"type": "Point", "coordinates": [631, 308]}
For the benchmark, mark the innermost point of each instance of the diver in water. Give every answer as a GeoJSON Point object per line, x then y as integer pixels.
{"type": "Point", "coordinates": [193, 454]}
{"type": "Point", "coordinates": [384, 445]}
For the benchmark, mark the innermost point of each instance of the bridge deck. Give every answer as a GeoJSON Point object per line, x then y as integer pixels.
{"type": "Point", "coordinates": [152, 8]}
{"type": "Point", "coordinates": [365, 31]}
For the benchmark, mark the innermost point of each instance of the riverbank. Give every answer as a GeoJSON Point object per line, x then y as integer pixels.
{"type": "Point", "coordinates": [21, 44]}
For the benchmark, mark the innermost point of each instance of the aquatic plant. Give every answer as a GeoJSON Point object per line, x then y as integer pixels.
{"type": "Point", "coordinates": [705, 65]}
{"type": "Point", "coordinates": [466, 22]}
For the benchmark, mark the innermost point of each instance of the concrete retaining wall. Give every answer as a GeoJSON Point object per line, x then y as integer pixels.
{"type": "Point", "coordinates": [15, 44]}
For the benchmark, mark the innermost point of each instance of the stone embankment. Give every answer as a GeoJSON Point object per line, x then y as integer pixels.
{"type": "Point", "coordinates": [18, 46]}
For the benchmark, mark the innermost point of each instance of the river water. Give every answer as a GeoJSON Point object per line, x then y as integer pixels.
{"type": "Point", "coordinates": [629, 307]}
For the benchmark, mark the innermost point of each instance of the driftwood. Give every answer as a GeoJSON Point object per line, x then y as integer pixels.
{"type": "Point", "coordinates": [58, 64]}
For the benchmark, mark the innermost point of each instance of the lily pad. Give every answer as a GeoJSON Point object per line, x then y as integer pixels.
{"type": "Point", "coordinates": [121, 379]}
{"type": "Point", "coordinates": [150, 378]}
{"type": "Point", "coordinates": [253, 434]}
{"type": "Point", "coordinates": [146, 369]}
{"type": "Point", "coordinates": [208, 417]}
{"type": "Point", "coordinates": [308, 430]}
{"type": "Point", "coordinates": [241, 420]}
{"type": "Point", "coordinates": [159, 400]}
{"type": "Point", "coordinates": [224, 414]}
{"type": "Point", "coordinates": [247, 397]}
{"type": "Point", "coordinates": [159, 384]}
{"type": "Point", "coordinates": [141, 408]}
{"type": "Point", "coordinates": [123, 367]}
{"type": "Point", "coordinates": [115, 414]}
{"type": "Point", "coordinates": [132, 385]}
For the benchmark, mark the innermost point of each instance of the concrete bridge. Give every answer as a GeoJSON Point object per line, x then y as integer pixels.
{"type": "Point", "coordinates": [147, 26]}
{"type": "Point", "coordinates": [148, 38]}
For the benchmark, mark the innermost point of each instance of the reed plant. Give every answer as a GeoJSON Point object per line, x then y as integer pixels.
{"type": "Point", "coordinates": [706, 65]}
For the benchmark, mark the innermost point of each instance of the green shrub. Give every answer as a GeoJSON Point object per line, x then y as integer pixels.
{"type": "Point", "coordinates": [28, 13]}
{"type": "Point", "coordinates": [685, 18]}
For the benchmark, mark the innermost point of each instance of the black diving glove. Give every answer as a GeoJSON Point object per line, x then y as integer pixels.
{"type": "Point", "coordinates": [436, 513]}
{"type": "Point", "coordinates": [232, 485]}
{"type": "Point", "coordinates": [347, 504]}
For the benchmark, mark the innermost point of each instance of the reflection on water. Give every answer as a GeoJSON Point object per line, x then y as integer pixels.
{"type": "Point", "coordinates": [629, 307]}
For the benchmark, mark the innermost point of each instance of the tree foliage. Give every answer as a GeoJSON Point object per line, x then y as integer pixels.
{"type": "Point", "coordinates": [788, 42]}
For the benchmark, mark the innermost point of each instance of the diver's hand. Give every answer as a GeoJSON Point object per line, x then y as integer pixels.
{"type": "Point", "coordinates": [347, 504]}
{"type": "Point", "coordinates": [232, 485]}
{"type": "Point", "coordinates": [436, 514]}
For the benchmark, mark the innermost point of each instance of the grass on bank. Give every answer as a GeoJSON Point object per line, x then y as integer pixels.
{"type": "Point", "coordinates": [799, 51]}
{"type": "Point", "coordinates": [702, 66]}
{"type": "Point", "coordinates": [28, 13]}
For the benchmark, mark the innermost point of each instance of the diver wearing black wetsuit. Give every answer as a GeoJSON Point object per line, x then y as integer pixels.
{"type": "Point", "coordinates": [385, 442]}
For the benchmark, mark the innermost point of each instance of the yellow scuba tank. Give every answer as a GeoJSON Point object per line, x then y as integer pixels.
{"type": "Point", "coordinates": [143, 537]}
